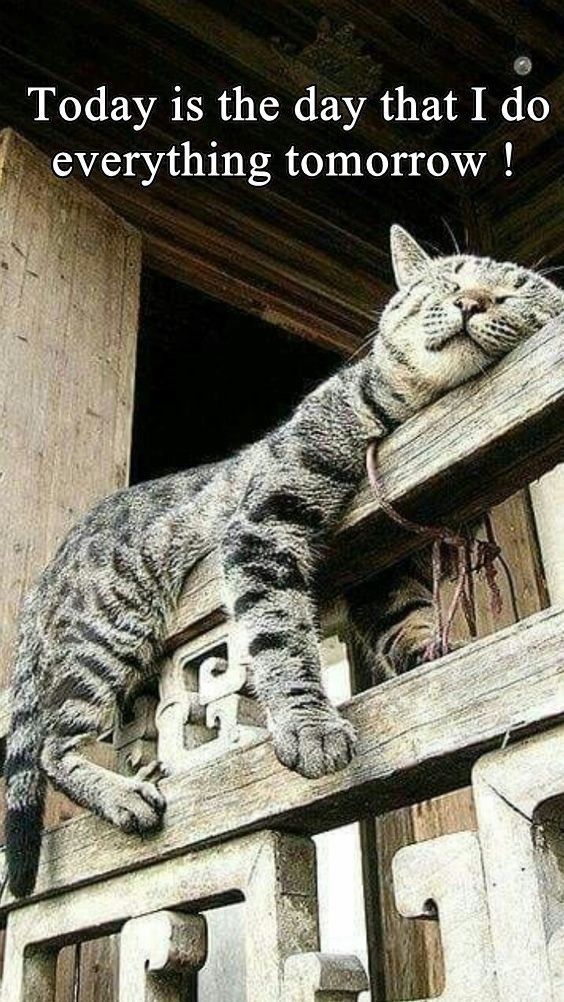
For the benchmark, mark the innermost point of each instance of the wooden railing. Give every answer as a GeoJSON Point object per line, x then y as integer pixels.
{"type": "Point", "coordinates": [238, 823]}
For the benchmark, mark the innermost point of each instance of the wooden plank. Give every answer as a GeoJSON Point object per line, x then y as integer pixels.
{"type": "Point", "coordinates": [69, 299]}
{"type": "Point", "coordinates": [418, 736]}
{"type": "Point", "coordinates": [66, 974]}
{"type": "Point", "coordinates": [456, 459]}
{"type": "Point", "coordinates": [98, 970]}
{"type": "Point", "coordinates": [466, 452]}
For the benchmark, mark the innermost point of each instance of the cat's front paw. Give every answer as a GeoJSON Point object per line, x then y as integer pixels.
{"type": "Point", "coordinates": [314, 745]}
{"type": "Point", "coordinates": [136, 807]}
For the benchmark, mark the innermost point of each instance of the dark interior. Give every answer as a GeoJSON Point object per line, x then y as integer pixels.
{"type": "Point", "coordinates": [210, 378]}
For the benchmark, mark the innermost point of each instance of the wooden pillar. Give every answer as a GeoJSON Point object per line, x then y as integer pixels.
{"type": "Point", "coordinates": [69, 293]}
{"type": "Point", "coordinates": [69, 288]}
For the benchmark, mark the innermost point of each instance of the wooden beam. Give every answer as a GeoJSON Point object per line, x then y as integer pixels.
{"type": "Point", "coordinates": [544, 241]}
{"type": "Point", "coordinates": [257, 56]}
{"type": "Point", "coordinates": [462, 455]}
{"type": "Point", "coordinates": [521, 21]}
{"type": "Point", "coordinates": [418, 736]}
{"type": "Point", "coordinates": [456, 459]}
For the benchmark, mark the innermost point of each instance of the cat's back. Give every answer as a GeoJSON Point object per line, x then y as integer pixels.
{"type": "Point", "coordinates": [124, 520]}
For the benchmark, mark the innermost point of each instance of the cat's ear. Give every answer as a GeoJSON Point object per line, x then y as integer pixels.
{"type": "Point", "coordinates": [409, 260]}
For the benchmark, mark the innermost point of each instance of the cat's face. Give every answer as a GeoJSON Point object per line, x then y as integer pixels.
{"type": "Point", "coordinates": [453, 316]}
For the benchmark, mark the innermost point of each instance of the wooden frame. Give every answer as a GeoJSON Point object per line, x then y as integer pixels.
{"type": "Point", "coordinates": [274, 874]}
{"type": "Point", "coordinates": [418, 736]}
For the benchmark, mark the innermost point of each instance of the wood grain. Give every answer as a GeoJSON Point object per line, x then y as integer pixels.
{"type": "Point", "coordinates": [418, 736]}
{"type": "Point", "coordinates": [68, 301]}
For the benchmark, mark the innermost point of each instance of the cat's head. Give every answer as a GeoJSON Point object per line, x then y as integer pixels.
{"type": "Point", "coordinates": [453, 316]}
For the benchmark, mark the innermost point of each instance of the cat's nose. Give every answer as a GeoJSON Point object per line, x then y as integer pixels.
{"type": "Point", "coordinates": [472, 301]}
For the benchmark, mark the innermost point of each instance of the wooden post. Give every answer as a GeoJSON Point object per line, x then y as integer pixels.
{"type": "Point", "coordinates": [160, 954]}
{"type": "Point", "coordinates": [69, 299]}
{"type": "Point", "coordinates": [69, 293]}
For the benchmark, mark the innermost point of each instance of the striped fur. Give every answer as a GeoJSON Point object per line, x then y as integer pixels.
{"type": "Point", "coordinates": [93, 627]}
{"type": "Point", "coordinates": [393, 618]}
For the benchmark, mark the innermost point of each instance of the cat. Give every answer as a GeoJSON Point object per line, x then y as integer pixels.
{"type": "Point", "coordinates": [94, 623]}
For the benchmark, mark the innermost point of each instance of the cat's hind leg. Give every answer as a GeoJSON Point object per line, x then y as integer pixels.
{"type": "Point", "coordinates": [74, 716]}
{"type": "Point", "coordinates": [133, 805]}
{"type": "Point", "coordinates": [395, 623]}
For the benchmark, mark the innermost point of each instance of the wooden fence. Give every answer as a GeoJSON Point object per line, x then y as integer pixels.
{"type": "Point", "coordinates": [239, 825]}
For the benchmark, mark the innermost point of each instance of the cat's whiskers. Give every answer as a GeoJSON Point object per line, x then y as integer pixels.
{"type": "Point", "coordinates": [450, 230]}
{"type": "Point", "coordinates": [367, 341]}
{"type": "Point", "coordinates": [551, 270]}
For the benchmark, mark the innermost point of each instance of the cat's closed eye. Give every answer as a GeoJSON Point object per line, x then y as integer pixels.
{"type": "Point", "coordinates": [450, 284]}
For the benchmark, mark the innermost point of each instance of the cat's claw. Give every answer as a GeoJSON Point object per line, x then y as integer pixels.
{"type": "Point", "coordinates": [316, 745]}
{"type": "Point", "coordinates": [153, 772]}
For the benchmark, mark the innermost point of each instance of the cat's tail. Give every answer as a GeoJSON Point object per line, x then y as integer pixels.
{"type": "Point", "coordinates": [25, 782]}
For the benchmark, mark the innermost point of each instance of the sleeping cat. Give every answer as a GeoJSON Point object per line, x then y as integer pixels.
{"type": "Point", "coordinates": [93, 625]}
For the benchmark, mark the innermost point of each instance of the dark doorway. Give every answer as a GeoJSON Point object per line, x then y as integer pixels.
{"type": "Point", "coordinates": [210, 378]}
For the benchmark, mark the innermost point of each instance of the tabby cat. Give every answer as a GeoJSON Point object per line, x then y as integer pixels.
{"type": "Point", "coordinates": [93, 625]}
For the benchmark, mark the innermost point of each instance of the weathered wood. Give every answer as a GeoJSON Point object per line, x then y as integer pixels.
{"type": "Point", "coordinates": [547, 496]}
{"type": "Point", "coordinates": [68, 301]}
{"type": "Point", "coordinates": [66, 973]}
{"type": "Point", "coordinates": [512, 682]}
{"type": "Point", "coordinates": [466, 452]}
{"type": "Point", "coordinates": [452, 461]}
{"type": "Point", "coordinates": [413, 956]}
{"type": "Point", "coordinates": [274, 873]}
{"type": "Point", "coordinates": [518, 794]}
{"type": "Point", "coordinates": [159, 955]}
{"type": "Point", "coordinates": [98, 970]}
{"type": "Point", "coordinates": [320, 977]}
{"type": "Point", "coordinates": [69, 296]}
{"type": "Point", "coordinates": [442, 879]}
